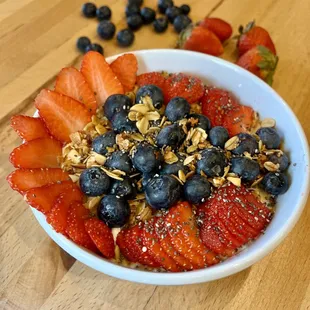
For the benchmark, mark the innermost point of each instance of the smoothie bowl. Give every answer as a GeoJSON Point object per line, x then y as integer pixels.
{"type": "Point", "coordinates": [162, 162]}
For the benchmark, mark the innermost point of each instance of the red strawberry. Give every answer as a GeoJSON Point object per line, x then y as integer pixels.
{"type": "Point", "coordinates": [38, 153]}
{"type": "Point", "coordinates": [261, 62]}
{"type": "Point", "coordinates": [29, 128]}
{"type": "Point", "coordinates": [43, 198]}
{"type": "Point", "coordinates": [100, 77]}
{"type": "Point", "coordinates": [182, 85]}
{"type": "Point", "coordinates": [217, 103]}
{"type": "Point", "coordinates": [252, 36]}
{"type": "Point", "coordinates": [154, 78]}
{"type": "Point", "coordinates": [125, 68]}
{"type": "Point", "coordinates": [218, 26]}
{"type": "Point", "coordinates": [57, 216]}
{"type": "Point", "coordinates": [239, 120]}
{"type": "Point", "coordinates": [71, 82]}
{"type": "Point", "coordinates": [201, 40]}
{"type": "Point", "coordinates": [77, 214]}
{"type": "Point", "coordinates": [61, 114]}
{"type": "Point", "coordinates": [102, 236]}
{"type": "Point", "coordinates": [22, 180]}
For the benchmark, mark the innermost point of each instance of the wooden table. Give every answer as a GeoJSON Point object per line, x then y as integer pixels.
{"type": "Point", "coordinates": [37, 38]}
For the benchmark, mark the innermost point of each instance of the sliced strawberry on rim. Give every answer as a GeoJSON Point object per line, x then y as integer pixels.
{"type": "Point", "coordinates": [152, 78]}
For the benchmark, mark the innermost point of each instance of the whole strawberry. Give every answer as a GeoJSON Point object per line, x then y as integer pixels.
{"type": "Point", "coordinates": [260, 61]}
{"type": "Point", "coordinates": [253, 35]}
{"type": "Point", "coordinates": [200, 39]}
{"type": "Point", "coordinates": [218, 26]}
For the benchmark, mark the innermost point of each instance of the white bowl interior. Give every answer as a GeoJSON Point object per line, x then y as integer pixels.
{"type": "Point", "coordinates": [250, 91]}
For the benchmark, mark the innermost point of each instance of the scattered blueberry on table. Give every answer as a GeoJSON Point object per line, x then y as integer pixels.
{"type": "Point", "coordinates": [125, 37]}
{"type": "Point", "coordinates": [103, 13]}
{"type": "Point", "coordinates": [94, 47]}
{"type": "Point", "coordinates": [134, 21]}
{"type": "Point", "coordinates": [160, 24]}
{"type": "Point", "coordinates": [89, 10]}
{"type": "Point", "coordinates": [106, 30]}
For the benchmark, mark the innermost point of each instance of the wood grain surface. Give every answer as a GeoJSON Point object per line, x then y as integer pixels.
{"type": "Point", "coordinates": [37, 39]}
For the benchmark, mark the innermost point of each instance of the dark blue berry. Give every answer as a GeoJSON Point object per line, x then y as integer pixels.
{"type": "Point", "coordinates": [94, 182]}
{"type": "Point", "coordinates": [135, 2]}
{"type": "Point", "coordinates": [125, 37]}
{"type": "Point", "coordinates": [134, 22]}
{"type": "Point", "coordinates": [245, 168]}
{"type": "Point", "coordinates": [218, 136]}
{"type": "Point", "coordinates": [269, 137]}
{"type": "Point", "coordinates": [89, 9]}
{"type": "Point", "coordinates": [185, 9]}
{"type": "Point", "coordinates": [175, 167]}
{"type": "Point", "coordinates": [146, 158]}
{"type": "Point", "coordinates": [282, 160]}
{"type": "Point", "coordinates": [120, 161]}
{"type": "Point", "coordinates": [114, 211]}
{"type": "Point", "coordinates": [171, 135]}
{"type": "Point", "coordinates": [106, 30]}
{"type": "Point", "coordinates": [247, 143]}
{"type": "Point", "coordinates": [125, 188]}
{"type": "Point", "coordinates": [82, 43]}
{"type": "Point", "coordinates": [181, 22]}
{"type": "Point", "coordinates": [94, 47]}
{"type": "Point", "coordinates": [197, 189]}
{"type": "Point", "coordinates": [132, 9]}
{"type": "Point", "coordinates": [163, 191]}
{"type": "Point", "coordinates": [163, 5]}
{"type": "Point", "coordinates": [154, 92]}
{"type": "Point", "coordinates": [148, 15]}
{"type": "Point", "coordinates": [172, 12]}
{"type": "Point", "coordinates": [116, 103]}
{"type": "Point", "coordinates": [275, 183]}
{"type": "Point", "coordinates": [121, 123]}
{"type": "Point", "coordinates": [212, 162]}
{"type": "Point", "coordinates": [146, 178]}
{"type": "Point", "coordinates": [160, 24]}
{"type": "Point", "coordinates": [203, 121]}
{"type": "Point", "coordinates": [177, 109]}
{"type": "Point", "coordinates": [101, 143]}
{"type": "Point", "coordinates": [103, 13]}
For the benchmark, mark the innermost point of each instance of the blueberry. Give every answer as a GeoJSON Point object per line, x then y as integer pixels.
{"type": "Point", "coordinates": [89, 9]}
{"type": "Point", "coordinates": [135, 2]}
{"type": "Point", "coordinates": [103, 13]}
{"type": "Point", "coordinates": [282, 160]}
{"type": "Point", "coordinates": [275, 183]}
{"type": "Point", "coordinates": [146, 158]}
{"type": "Point", "coordinates": [245, 168]}
{"type": "Point", "coordinates": [148, 15]}
{"type": "Point", "coordinates": [125, 37]}
{"type": "Point", "coordinates": [181, 22]}
{"type": "Point", "coordinates": [175, 167]}
{"type": "Point", "coordinates": [177, 109]}
{"type": "Point", "coordinates": [160, 24]}
{"type": "Point", "coordinates": [154, 92]}
{"type": "Point", "coordinates": [185, 9]}
{"type": "Point", "coordinates": [197, 189]}
{"type": "Point", "coordinates": [171, 135]}
{"type": "Point", "coordinates": [212, 162]}
{"type": "Point", "coordinates": [269, 137]}
{"type": "Point", "coordinates": [121, 123]}
{"type": "Point", "coordinates": [218, 136]}
{"type": "Point", "coordinates": [101, 143]}
{"type": "Point", "coordinates": [247, 143]}
{"type": "Point", "coordinates": [132, 9]}
{"type": "Point", "coordinates": [82, 43]}
{"type": "Point", "coordinates": [134, 22]}
{"type": "Point", "coordinates": [94, 182]}
{"type": "Point", "coordinates": [106, 30]}
{"type": "Point", "coordinates": [114, 211]}
{"type": "Point", "coordinates": [163, 5]}
{"type": "Point", "coordinates": [162, 192]}
{"type": "Point", "coordinates": [172, 12]}
{"type": "Point", "coordinates": [116, 103]}
{"type": "Point", "coordinates": [146, 178]}
{"type": "Point", "coordinates": [119, 160]}
{"type": "Point", "coordinates": [203, 121]}
{"type": "Point", "coordinates": [94, 47]}
{"type": "Point", "coordinates": [125, 188]}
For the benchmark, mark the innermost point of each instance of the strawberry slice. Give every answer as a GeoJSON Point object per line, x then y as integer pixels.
{"type": "Point", "coordinates": [102, 236]}
{"type": "Point", "coordinates": [182, 85]}
{"type": "Point", "coordinates": [71, 82]}
{"type": "Point", "coordinates": [153, 78]}
{"type": "Point", "coordinates": [57, 216]}
{"type": "Point", "coordinates": [43, 198]}
{"type": "Point", "coordinates": [61, 114]}
{"type": "Point", "coordinates": [38, 153]}
{"type": "Point", "coordinates": [125, 68]}
{"type": "Point", "coordinates": [100, 77]}
{"type": "Point", "coordinates": [29, 128]}
{"type": "Point", "coordinates": [22, 180]}
{"type": "Point", "coordinates": [77, 214]}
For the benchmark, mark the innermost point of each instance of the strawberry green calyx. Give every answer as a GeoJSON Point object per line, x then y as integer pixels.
{"type": "Point", "coordinates": [184, 35]}
{"type": "Point", "coordinates": [268, 64]}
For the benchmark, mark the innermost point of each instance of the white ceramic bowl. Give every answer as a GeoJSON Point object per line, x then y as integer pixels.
{"type": "Point", "coordinates": [257, 94]}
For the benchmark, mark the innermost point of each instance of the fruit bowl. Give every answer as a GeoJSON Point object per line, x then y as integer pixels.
{"type": "Point", "coordinates": [250, 91]}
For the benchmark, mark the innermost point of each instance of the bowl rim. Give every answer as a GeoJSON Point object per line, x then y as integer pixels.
{"type": "Point", "coordinates": [203, 275]}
